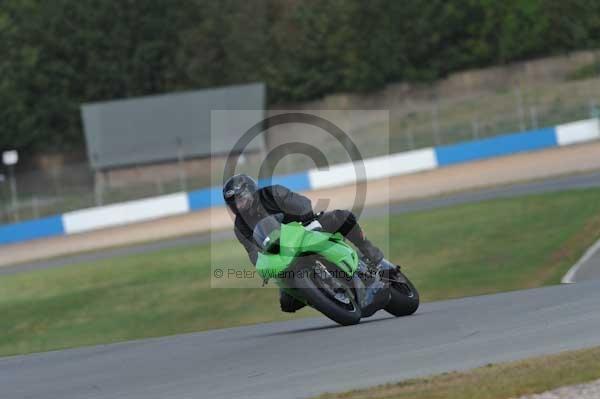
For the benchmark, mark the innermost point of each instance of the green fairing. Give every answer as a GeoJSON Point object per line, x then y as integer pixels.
{"type": "Point", "coordinates": [295, 240]}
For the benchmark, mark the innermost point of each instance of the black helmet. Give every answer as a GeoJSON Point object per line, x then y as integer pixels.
{"type": "Point", "coordinates": [238, 192]}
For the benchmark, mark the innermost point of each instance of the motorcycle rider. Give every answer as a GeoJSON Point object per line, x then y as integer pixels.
{"type": "Point", "coordinates": [250, 205]}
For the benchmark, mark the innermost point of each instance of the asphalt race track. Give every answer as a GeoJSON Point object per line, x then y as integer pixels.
{"type": "Point", "coordinates": [588, 267]}
{"type": "Point", "coordinates": [550, 185]}
{"type": "Point", "coordinates": [590, 270]}
{"type": "Point", "coordinates": [310, 356]}
{"type": "Point", "coordinates": [307, 357]}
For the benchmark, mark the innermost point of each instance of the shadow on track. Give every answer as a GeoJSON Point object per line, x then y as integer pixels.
{"type": "Point", "coordinates": [331, 326]}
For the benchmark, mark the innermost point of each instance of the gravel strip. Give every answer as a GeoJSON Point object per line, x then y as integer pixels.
{"type": "Point", "coordinates": [583, 391]}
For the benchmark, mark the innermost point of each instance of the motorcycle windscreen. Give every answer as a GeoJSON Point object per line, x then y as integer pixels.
{"type": "Point", "coordinates": [267, 232]}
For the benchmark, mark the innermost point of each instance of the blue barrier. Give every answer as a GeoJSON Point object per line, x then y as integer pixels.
{"type": "Point", "coordinates": [496, 146]}
{"type": "Point", "coordinates": [294, 181]}
{"type": "Point", "coordinates": [445, 155]}
{"type": "Point", "coordinates": [205, 198]}
{"type": "Point", "coordinates": [212, 196]}
{"type": "Point", "coordinates": [32, 229]}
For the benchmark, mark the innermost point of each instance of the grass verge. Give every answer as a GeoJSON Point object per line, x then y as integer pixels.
{"type": "Point", "coordinates": [502, 381]}
{"type": "Point", "coordinates": [466, 250]}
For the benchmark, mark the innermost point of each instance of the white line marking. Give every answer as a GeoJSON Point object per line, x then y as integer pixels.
{"type": "Point", "coordinates": [569, 278]}
{"type": "Point", "coordinates": [577, 132]}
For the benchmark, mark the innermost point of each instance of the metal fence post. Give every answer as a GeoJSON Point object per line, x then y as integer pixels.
{"type": "Point", "coordinates": [411, 139]}
{"type": "Point", "coordinates": [159, 186]}
{"type": "Point", "coordinates": [533, 116]}
{"type": "Point", "coordinates": [35, 207]}
{"type": "Point", "coordinates": [475, 126]}
{"type": "Point", "coordinates": [435, 123]}
{"type": "Point", "coordinates": [180, 161]}
{"type": "Point", "coordinates": [520, 110]}
{"type": "Point", "coordinates": [4, 198]}
{"type": "Point", "coordinates": [13, 192]}
{"type": "Point", "coordinates": [99, 188]}
{"type": "Point", "coordinates": [593, 108]}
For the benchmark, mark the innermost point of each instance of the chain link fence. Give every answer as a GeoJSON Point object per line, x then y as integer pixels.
{"type": "Point", "coordinates": [434, 123]}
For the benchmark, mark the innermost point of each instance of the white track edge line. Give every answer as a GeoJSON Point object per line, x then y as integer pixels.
{"type": "Point", "coordinates": [569, 278]}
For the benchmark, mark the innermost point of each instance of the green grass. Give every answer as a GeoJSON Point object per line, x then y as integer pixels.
{"type": "Point", "coordinates": [494, 246]}
{"type": "Point", "coordinates": [460, 251]}
{"type": "Point", "coordinates": [504, 381]}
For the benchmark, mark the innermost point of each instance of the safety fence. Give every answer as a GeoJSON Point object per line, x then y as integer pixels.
{"type": "Point", "coordinates": [337, 175]}
{"type": "Point", "coordinates": [417, 120]}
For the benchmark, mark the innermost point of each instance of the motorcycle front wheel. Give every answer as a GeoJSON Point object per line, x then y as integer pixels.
{"type": "Point", "coordinates": [327, 289]}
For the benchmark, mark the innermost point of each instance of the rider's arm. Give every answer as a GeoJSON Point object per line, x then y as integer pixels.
{"type": "Point", "coordinates": [244, 236]}
{"type": "Point", "coordinates": [295, 206]}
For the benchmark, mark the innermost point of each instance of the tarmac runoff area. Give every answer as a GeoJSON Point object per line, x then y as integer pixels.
{"type": "Point", "coordinates": [302, 358]}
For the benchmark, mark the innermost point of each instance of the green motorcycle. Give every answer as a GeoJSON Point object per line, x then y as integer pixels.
{"type": "Point", "coordinates": [321, 270]}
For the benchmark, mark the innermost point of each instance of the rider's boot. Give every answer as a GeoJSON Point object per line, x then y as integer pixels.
{"type": "Point", "coordinates": [372, 253]}
{"type": "Point", "coordinates": [288, 303]}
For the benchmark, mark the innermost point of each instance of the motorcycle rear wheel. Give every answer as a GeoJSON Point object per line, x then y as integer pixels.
{"type": "Point", "coordinates": [405, 297]}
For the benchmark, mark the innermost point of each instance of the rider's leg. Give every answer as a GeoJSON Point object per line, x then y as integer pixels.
{"type": "Point", "coordinates": [345, 222]}
{"type": "Point", "coordinates": [288, 303]}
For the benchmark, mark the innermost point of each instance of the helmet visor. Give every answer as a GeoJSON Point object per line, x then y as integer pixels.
{"type": "Point", "coordinates": [243, 201]}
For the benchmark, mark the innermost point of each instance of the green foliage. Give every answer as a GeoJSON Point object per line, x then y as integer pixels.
{"type": "Point", "coordinates": [585, 72]}
{"type": "Point", "coordinates": [59, 54]}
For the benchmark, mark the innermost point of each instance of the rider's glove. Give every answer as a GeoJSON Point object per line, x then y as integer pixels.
{"type": "Point", "coordinates": [314, 226]}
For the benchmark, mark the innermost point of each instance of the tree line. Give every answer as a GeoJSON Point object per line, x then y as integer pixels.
{"type": "Point", "coordinates": [58, 54]}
